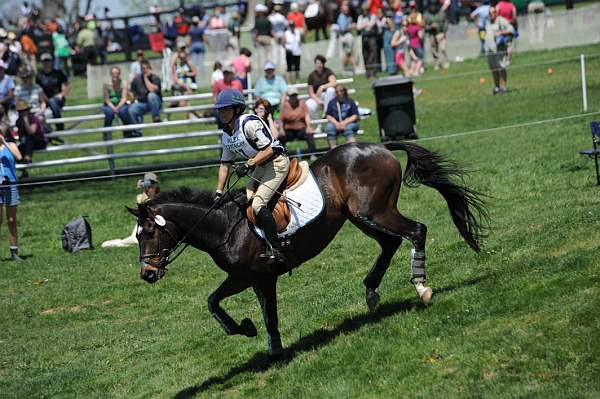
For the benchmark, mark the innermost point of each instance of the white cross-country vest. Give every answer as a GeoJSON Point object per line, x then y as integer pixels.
{"type": "Point", "coordinates": [243, 144]}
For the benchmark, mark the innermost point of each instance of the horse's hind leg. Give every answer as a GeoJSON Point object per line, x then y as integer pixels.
{"type": "Point", "coordinates": [266, 292]}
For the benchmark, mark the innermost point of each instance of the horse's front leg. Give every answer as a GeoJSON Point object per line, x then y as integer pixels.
{"type": "Point", "coordinates": [266, 292]}
{"type": "Point", "coordinates": [228, 288]}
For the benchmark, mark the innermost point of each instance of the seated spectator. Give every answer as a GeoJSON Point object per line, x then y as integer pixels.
{"type": "Point", "coordinates": [7, 88]}
{"type": "Point", "coordinates": [116, 93]}
{"type": "Point", "coordinates": [228, 82]}
{"type": "Point", "coordinates": [342, 117]}
{"type": "Point", "coordinates": [136, 66]}
{"type": "Point", "coordinates": [271, 87]}
{"type": "Point", "coordinates": [242, 64]}
{"type": "Point", "coordinates": [183, 73]}
{"type": "Point", "coordinates": [32, 135]}
{"type": "Point", "coordinates": [295, 120]}
{"type": "Point", "coordinates": [321, 87]}
{"type": "Point", "coordinates": [264, 110]}
{"type": "Point", "coordinates": [55, 85]}
{"type": "Point", "coordinates": [146, 89]}
{"type": "Point", "coordinates": [31, 93]}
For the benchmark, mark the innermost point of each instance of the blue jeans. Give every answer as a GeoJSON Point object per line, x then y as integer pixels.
{"type": "Point", "coordinates": [56, 103]}
{"type": "Point", "coordinates": [349, 131]}
{"type": "Point", "coordinates": [388, 51]}
{"type": "Point", "coordinates": [138, 109]}
{"type": "Point", "coordinates": [123, 112]}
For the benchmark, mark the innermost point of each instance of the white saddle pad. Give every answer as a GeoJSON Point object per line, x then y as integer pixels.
{"type": "Point", "coordinates": [311, 201]}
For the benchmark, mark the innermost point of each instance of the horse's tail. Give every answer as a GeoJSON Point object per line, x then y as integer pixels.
{"type": "Point", "coordinates": [466, 205]}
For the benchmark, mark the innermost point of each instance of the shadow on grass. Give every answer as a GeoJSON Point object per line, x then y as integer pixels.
{"type": "Point", "coordinates": [261, 362]}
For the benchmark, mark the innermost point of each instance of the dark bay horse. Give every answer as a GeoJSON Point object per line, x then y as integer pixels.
{"type": "Point", "coordinates": [360, 182]}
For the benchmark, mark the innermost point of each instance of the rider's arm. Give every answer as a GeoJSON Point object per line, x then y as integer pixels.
{"type": "Point", "coordinates": [223, 173]}
{"type": "Point", "coordinates": [255, 134]}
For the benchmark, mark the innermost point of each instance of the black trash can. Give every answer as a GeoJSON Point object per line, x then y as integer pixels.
{"type": "Point", "coordinates": [395, 108]}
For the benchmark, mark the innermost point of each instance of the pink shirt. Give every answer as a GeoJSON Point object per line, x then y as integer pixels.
{"type": "Point", "coordinates": [239, 64]}
{"type": "Point", "coordinates": [221, 85]}
{"type": "Point", "coordinates": [413, 33]}
{"type": "Point", "coordinates": [506, 9]}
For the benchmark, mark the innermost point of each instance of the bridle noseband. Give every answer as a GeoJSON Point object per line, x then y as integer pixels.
{"type": "Point", "coordinates": [162, 254]}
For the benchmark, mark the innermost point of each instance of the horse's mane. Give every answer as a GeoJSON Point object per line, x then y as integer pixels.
{"type": "Point", "coordinates": [187, 195]}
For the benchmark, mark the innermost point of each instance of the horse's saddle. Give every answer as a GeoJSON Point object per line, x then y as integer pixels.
{"type": "Point", "coordinates": [297, 175]}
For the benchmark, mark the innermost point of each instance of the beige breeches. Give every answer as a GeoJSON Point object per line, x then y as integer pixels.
{"type": "Point", "coordinates": [271, 174]}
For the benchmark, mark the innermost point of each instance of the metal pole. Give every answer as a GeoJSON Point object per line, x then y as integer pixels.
{"type": "Point", "coordinates": [583, 84]}
{"type": "Point", "coordinates": [109, 150]}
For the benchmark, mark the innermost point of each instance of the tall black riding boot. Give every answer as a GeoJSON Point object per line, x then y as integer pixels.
{"type": "Point", "coordinates": [267, 223]}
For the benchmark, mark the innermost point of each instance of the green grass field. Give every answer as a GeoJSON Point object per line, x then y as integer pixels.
{"type": "Point", "coordinates": [520, 319]}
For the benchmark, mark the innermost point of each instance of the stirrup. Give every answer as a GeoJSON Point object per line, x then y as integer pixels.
{"type": "Point", "coordinates": [272, 255]}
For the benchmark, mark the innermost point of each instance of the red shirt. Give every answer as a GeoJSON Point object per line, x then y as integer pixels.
{"type": "Point", "coordinates": [220, 85]}
{"type": "Point", "coordinates": [375, 6]}
{"type": "Point", "coordinates": [297, 18]}
{"type": "Point", "coordinates": [506, 10]}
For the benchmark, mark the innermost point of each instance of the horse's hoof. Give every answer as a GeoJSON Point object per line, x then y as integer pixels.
{"type": "Point", "coordinates": [248, 328]}
{"type": "Point", "coordinates": [372, 298]}
{"type": "Point", "coordinates": [425, 293]}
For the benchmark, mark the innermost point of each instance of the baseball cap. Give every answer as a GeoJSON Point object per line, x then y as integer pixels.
{"type": "Point", "coordinates": [269, 65]}
{"type": "Point", "coordinates": [46, 57]}
{"type": "Point", "coordinates": [292, 90]}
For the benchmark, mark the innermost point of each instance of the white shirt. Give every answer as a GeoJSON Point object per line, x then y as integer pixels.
{"type": "Point", "coordinates": [250, 136]}
{"type": "Point", "coordinates": [292, 42]}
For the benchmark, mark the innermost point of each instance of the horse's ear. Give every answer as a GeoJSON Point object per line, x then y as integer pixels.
{"type": "Point", "coordinates": [135, 212]}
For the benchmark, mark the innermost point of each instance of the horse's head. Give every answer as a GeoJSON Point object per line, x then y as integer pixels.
{"type": "Point", "coordinates": [157, 238]}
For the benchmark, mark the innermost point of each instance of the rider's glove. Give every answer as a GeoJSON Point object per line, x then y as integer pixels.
{"type": "Point", "coordinates": [218, 195]}
{"type": "Point", "coordinates": [243, 169]}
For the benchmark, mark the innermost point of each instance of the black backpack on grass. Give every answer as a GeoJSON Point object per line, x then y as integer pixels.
{"type": "Point", "coordinates": [77, 235]}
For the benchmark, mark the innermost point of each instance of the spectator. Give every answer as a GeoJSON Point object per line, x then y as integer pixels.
{"type": "Point", "coordinates": [182, 27]}
{"type": "Point", "coordinates": [296, 18]}
{"type": "Point", "coordinates": [29, 51]}
{"type": "Point", "coordinates": [86, 43]}
{"type": "Point", "coordinates": [228, 82]}
{"type": "Point", "coordinates": [7, 88]}
{"type": "Point", "coordinates": [321, 87]}
{"type": "Point", "coordinates": [414, 31]}
{"type": "Point", "coordinates": [482, 14]}
{"type": "Point", "coordinates": [342, 117]}
{"type": "Point", "coordinates": [295, 121]}
{"type": "Point", "coordinates": [263, 34]}
{"type": "Point", "coordinates": [264, 110]}
{"type": "Point", "coordinates": [116, 94]}
{"type": "Point", "coordinates": [32, 135]}
{"type": "Point", "coordinates": [146, 89]}
{"type": "Point", "coordinates": [279, 23]}
{"type": "Point", "coordinates": [198, 44]}
{"type": "Point", "coordinates": [183, 74]}
{"type": "Point", "coordinates": [242, 64]}
{"type": "Point", "coordinates": [496, 33]}
{"type": "Point", "coordinates": [314, 16]}
{"type": "Point", "coordinates": [62, 52]}
{"type": "Point", "coordinates": [386, 23]}
{"type": "Point", "coordinates": [235, 30]}
{"type": "Point", "coordinates": [535, 18]}
{"type": "Point", "coordinates": [293, 52]}
{"type": "Point", "coordinates": [271, 87]}
{"type": "Point", "coordinates": [217, 73]}
{"type": "Point", "coordinates": [507, 10]}
{"type": "Point", "coordinates": [375, 6]}
{"type": "Point", "coordinates": [9, 193]}
{"type": "Point", "coordinates": [55, 85]}
{"type": "Point", "coordinates": [136, 66]}
{"type": "Point", "coordinates": [436, 27]}
{"type": "Point", "coordinates": [367, 25]}
{"type": "Point", "coordinates": [398, 43]}
{"type": "Point", "coordinates": [346, 25]}
{"type": "Point", "coordinates": [31, 93]}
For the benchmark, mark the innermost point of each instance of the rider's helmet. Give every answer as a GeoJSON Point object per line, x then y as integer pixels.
{"type": "Point", "coordinates": [231, 98]}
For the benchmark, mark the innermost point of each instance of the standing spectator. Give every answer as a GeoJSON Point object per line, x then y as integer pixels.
{"type": "Point", "coordinates": [367, 25]}
{"type": "Point", "coordinates": [387, 25]}
{"type": "Point", "coordinates": [497, 31]}
{"type": "Point", "coordinates": [7, 88]}
{"type": "Point", "coordinates": [321, 87]}
{"type": "Point", "coordinates": [29, 50]}
{"type": "Point", "coordinates": [146, 89]}
{"type": "Point", "coordinates": [116, 93]}
{"type": "Point", "coordinates": [271, 87]}
{"type": "Point", "coordinates": [342, 117]}
{"type": "Point", "coordinates": [507, 10]}
{"type": "Point", "coordinates": [482, 13]}
{"type": "Point", "coordinates": [242, 65]}
{"type": "Point", "coordinates": [9, 193]}
{"type": "Point", "coordinates": [217, 73]}
{"type": "Point", "coordinates": [263, 34]}
{"type": "Point", "coordinates": [198, 44]}
{"type": "Point", "coordinates": [62, 52]}
{"type": "Point", "coordinates": [296, 18]}
{"type": "Point", "coordinates": [453, 7]}
{"type": "Point", "coordinates": [375, 6]}
{"type": "Point", "coordinates": [293, 52]}
{"type": "Point", "coordinates": [55, 85]}
{"type": "Point", "coordinates": [101, 42]}
{"type": "Point", "coordinates": [32, 135]}
{"type": "Point", "coordinates": [346, 25]}
{"type": "Point", "coordinates": [535, 18]}
{"type": "Point", "coordinates": [31, 93]}
{"type": "Point", "coordinates": [228, 82]}
{"type": "Point", "coordinates": [235, 31]}
{"type": "Point", "coordinates": [414, 31]}
{"type": "Point", "coordinates": [295, 121]}
{"type": "Point", "coordinates": [399, 43]}
{"type": "Point", "coordinates": [136, 66]}
{"type": "Point", "coordinates": [264, 110]}
{"type": "Point", "coordinates": [86, 42]}
{"type": "Point", "coordinates": [314, 16]}
{"type": "Point", "coordinates": [436, 27]}
{"type": "Point", "coordinates": [279, 23]}
{"type": "Point", "coordinates": [183, 74]}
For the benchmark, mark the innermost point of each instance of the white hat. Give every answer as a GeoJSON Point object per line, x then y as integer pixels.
{"type": "Point", "coordinates": [294, 6]}
{"type": "Point", "coordinates": [261, 8]}
{"type": "Point", "coordinates": [268, 65]}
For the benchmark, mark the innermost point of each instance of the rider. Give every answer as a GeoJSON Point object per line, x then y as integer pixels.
{"type": "Point", "coordinates": [247, 137]}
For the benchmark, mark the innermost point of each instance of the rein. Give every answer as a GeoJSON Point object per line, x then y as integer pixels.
{"type": "Point", "coordinates": [165, 254]}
